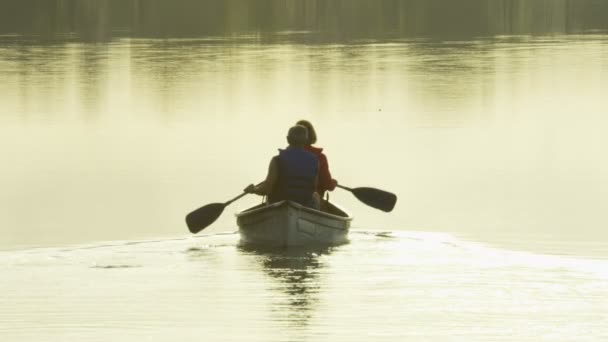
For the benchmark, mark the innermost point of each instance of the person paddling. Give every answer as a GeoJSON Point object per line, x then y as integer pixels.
{"type": "Point", "coordinates": [326, 182]}
{"type": "Point", "coordinates": [292, 174]}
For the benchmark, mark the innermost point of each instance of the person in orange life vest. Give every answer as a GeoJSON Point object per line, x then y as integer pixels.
{"type": "Point", "coordinates": [292, 174]}
{"type": "Point", "coordinates": [326, 183]}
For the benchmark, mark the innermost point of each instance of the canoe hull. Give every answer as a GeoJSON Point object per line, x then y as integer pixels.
{"type": "Point", "coordinates": [286, 223]}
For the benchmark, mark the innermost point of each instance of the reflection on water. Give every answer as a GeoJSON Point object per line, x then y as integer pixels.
{"type": "Point", "coordinates": [118, 140]}
{"type": "Point", "coordinates": [487, 118]}
{"type": "Point", "coordinates": [394, 286]}
{"type": "Point", "coordinates": [298, 275]}
{"type": "Point", "coordinates": [485, 133]}
{"type": "Point", "coordinates": [332, 19]}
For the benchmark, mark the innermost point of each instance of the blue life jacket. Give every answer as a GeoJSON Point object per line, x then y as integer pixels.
{"type": "Point", "coordinates": [298, 171]}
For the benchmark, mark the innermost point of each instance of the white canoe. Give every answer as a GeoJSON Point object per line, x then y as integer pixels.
{"type": "Point", "coordinates": [287, 223]}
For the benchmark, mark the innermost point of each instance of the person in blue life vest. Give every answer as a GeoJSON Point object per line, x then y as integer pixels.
{"type": "Point", "coordinates": [293, 174]}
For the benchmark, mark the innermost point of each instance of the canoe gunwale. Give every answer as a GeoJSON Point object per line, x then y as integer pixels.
{"type": "Point", "coordinates": [272, 206]}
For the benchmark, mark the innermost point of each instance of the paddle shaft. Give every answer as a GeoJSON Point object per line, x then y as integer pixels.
{"type": "Point", "coordinates": [344, 187]}
{"type": "Point", "coordinates": [234, 199]}
{"type": "Point", "coordinates": [239, 196]}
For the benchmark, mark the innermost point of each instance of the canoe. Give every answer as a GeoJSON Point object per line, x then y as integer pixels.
{"type": "Point", "coordinates": [286, 223]}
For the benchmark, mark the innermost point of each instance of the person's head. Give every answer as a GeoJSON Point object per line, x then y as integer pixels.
{"type": "Point", "coordinates": [297, 136]}
{"type": "Point", "coordinates": [312, 135]}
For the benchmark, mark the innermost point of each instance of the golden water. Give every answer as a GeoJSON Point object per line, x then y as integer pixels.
{"type": "Point", "coordinates": [117, 120]}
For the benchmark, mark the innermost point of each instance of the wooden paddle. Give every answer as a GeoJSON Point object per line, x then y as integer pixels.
{"type": "Point", "coordinates": [202, 217]}
{"type": "Point", "coordinates": [376, 198]}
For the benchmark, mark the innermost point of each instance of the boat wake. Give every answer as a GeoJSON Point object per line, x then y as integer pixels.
{"type": "Point", "coordinates": [387, 247]}
{"type": "Point", "coordinates": [153, 284]}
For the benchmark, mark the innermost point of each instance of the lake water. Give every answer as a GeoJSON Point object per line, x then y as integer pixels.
{"type": "Point", "coordinates": [383, 286]}
{"type": "Point", "coordinates": [487, 120]}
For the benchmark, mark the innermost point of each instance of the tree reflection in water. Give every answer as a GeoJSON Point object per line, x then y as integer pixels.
{"type": "Point", "coordinates": [330, 20]}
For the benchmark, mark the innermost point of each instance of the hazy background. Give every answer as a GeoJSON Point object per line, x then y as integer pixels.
{"type": "Point", "coordinates": [486, 118]}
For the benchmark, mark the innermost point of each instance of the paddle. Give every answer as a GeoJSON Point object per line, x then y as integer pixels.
{"type": "Point", "coordinates": [202, 217]}
{"type": "Point", "coordinates": [376, 198]}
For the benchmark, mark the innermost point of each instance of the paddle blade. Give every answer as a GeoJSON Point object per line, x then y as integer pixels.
{"type": "Point", "coordinates": [376, 198]}
{"type": "Point", "coordinates": [202, 217]}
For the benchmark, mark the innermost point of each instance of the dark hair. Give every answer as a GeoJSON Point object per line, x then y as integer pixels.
{"type": "Point", "coordinates": [312, 135]}
{"type": "Point", "coordinates": [297, 135]}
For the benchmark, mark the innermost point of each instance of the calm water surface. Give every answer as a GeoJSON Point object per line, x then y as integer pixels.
{"type": "Point", "coordinates": [383, 286]}
{"type": "Point", "coordinates": [117, 119]}
{"type": "Point", "coordinates": [501, 138]}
